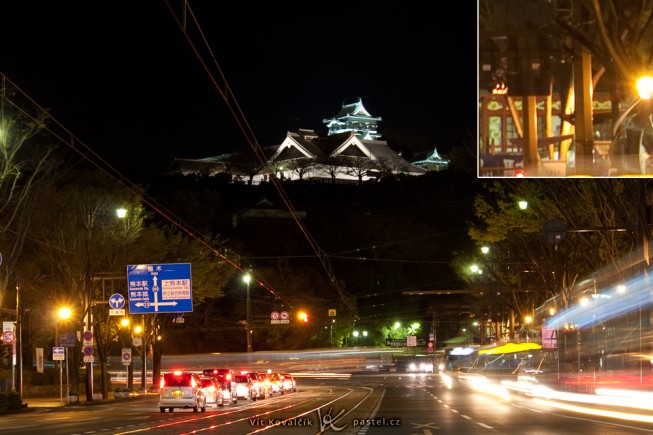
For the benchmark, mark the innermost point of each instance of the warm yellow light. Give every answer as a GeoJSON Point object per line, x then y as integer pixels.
{"type": "Point", "coordinates": [138, 329]}
{"type": "Point", "coordinates": [124, 322]}
{"type": "Point", "coordinates": [528, 319]}
{"type": "Point", "coordinates": [645, 87]}
{"type": "Point", "coordinates": [552, 311]}
{"type": "Point", "coordinates": [121, 212]}
{"type": "Point", "coordinates": [247, 278]}
{"type": "Point", "coordinates": [64, 313]}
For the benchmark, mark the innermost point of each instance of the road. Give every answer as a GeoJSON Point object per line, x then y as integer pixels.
{"type": "Point", "coordinates": [363, 404]}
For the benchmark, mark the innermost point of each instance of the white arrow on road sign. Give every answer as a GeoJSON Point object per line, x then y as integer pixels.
{"type": "Point", "coordinates": [116, 301]}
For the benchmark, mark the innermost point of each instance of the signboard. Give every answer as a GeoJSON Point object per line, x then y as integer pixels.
{"type": "Point", "coordinates": [126, 355]}
{"type": "Point", "coordinates": [8, 337]}
{"type": "Point", "coordinates": [7, 326]}
{"type": "Point", "coordinates": [88, 350]}
{"type": "Point", "coordinates": [274, 317]}
{"type": "Point", "coordinates": [39, 360]}
{"type": "Point", "coordinates": [549, 338]}
{"type": "Point", "coordinates": [58, 353]}
{"type": "Point", "coordinates": [285, 317]}
{"type": "Point", "coordinates": [159, 288]}
{"type": "Point", "coordinates": [89, 359]}
{"type": "Point", "coordinates": [411, 340]}
{"type": "Point", "coordinates": [67, 339]}
{"type": "Point", "coordinates": [116, 305]}
{"type": "Point", "coordinates": [332, 312]}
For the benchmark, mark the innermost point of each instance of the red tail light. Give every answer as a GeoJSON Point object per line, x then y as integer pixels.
{"type": "Point", "coordinates": [228, 376]}
{"type": "Point", "coordinates": [193, 383]}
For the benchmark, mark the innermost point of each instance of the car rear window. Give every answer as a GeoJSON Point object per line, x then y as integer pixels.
{"type": "Point", "coordinates": [207, 382]}
{"type": "Point", "coordinates": [177, 381]}
{"type": "Point", "coordinates": [241, 378]}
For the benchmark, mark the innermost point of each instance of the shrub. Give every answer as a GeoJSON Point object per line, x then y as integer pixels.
{"type": "Point", "coordinates": [10, 400]}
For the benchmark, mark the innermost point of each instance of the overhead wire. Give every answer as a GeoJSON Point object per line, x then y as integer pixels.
{"type": "Point", "coordinates": [69, 139]}
{"type": "Point", "coordinates": [245, 128]}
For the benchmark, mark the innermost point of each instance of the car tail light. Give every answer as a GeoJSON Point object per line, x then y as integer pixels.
{"type": "Point", "coordinates": [193, 383]}
{"type": "Point", "coordinates": [228, 376]}
{"type": "Point", "coordinates": [162, 383]}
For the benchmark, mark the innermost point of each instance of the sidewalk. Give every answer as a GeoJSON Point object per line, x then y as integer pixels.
{"type": "Point", "coordinates": [58, 402]}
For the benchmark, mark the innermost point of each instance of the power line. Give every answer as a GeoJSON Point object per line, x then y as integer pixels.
{"type": "Point", "coordinates": [245, 128]}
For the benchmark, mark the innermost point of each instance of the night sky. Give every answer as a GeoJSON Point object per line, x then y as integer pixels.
{"type": "Point", "coordinates": [121, 76]}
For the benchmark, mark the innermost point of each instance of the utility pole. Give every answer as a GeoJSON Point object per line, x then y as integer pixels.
{"type": "Point", "coordinates": [19, 346]}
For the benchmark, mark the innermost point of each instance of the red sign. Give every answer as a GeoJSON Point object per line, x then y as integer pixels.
{"type": "Point", "coordinates": [8, 337]}
{"type": "Point", "coordinates": [88, 350]}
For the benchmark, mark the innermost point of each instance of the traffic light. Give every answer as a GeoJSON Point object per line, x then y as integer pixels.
{"type": "Point", "coordinates": [303, 316]}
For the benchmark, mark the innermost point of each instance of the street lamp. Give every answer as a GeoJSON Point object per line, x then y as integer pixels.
{"type": "Point", "coordinates": [528, 320]}
{"type": "Point", "coordinates": [64, 313]}
{"type": "Point", "coordinates": [246, 279]}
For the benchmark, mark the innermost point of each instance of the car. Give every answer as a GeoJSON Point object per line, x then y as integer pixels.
{"type": "Point", "coordinates": [288, 383]}
{"type": "Point", "coordinates": [273, 379]}
{"type": "Point", "coordinates": [211, 389]}
{"type": "Point", "coordinates": [263, 389]}
{"type": "Point", "coordinates": [245, 387]}
{"type": "Point", "coordinates": [225, 380]}
{"type": "Point", "coordinates": [181, 389]}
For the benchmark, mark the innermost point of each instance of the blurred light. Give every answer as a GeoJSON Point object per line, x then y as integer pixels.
{"type": "Point", "coordinates": [247, 278]}
{"type": "Point", "coordinates": [121, 213]}
{"type": "Point", "coordinates": [523, 205]}
{"type": "Point", "coordinates": [64, 313]}
{"type": "Point", "coordinates": [645, 87]}
{"type": "Point", "coordinates": [528, 319]}
{"type": "Point", "coordinates": [485, 249]}
{"type": "Point", "coordinates": [138, 329]}
{"type": "Point", "coordinates": [519, 174]}
{"type": "Point", "coordinates": [124, 322]}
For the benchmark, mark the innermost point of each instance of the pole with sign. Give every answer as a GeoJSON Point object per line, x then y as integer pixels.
{"type": "Point", "coordinates": [58, 355]}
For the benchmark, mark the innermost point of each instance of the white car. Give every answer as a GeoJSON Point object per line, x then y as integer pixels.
{"type": "Point", "coordinates": [245, 387]}
{"type": "Point", "coordinates": [288, 383]}
{"type": "Point", "coordinates": [211, 391]}
{"type": "Point", "coordinates": [181, 390]}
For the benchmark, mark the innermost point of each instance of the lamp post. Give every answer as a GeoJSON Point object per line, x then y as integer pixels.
{"type": "Point", "coordinates": [141, 330]}
{"type": "Point", "coordinates": [63, 314]}
{"type": "Point", "coordinates": [246, 280]}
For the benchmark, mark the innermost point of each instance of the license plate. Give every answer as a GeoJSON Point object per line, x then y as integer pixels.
{"type": "Point", "coordinates": [177, 393]}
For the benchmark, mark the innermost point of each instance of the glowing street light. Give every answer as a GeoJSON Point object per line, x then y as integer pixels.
{"type": "Point", "coordinates": [246, 279]}
{"type": "Point", "coordinates": [645, 87]}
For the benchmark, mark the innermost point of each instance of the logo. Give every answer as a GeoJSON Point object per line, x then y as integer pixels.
{"type": "Point", "coordinates": [327, 421]}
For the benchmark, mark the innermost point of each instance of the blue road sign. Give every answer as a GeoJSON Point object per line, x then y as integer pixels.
{"type": "Point", "coordinates": [159, 288]}
{"type": "Point", "coordinates": [67, 340]}
{"type": "Point", "coordinates": [116, 301]}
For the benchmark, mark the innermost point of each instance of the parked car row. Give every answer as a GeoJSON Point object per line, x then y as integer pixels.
{"type": "Point", "coordinates": [215, 387]}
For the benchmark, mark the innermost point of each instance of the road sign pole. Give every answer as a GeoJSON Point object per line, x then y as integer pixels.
{"type": "Point", "coordinates": [60, 385]}
{"type": "Point", "coordinates": [67, 380]}
{"type": "Point", "coordinates": [89, 365]}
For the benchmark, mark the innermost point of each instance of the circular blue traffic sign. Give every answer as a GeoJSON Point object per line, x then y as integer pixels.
{"type": "Point", "coordinates": [117, 301]}
{"type": "Point", "coordinates": [88, 350]}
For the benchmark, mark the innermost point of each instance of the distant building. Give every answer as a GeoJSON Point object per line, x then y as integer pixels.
{"type": "Point", "coordinates": [354, 117]}
{"type": "Point", "coordinates": [433, 163]}
{"type": "Point", "coordinates": [350, 152]}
